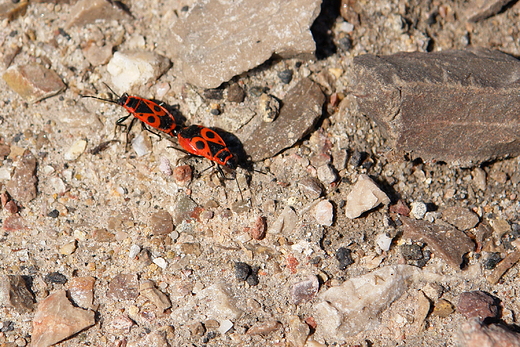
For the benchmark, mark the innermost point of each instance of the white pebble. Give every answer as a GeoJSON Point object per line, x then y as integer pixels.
{"type": "Point", "coordinates": [160, 262]}
{"type": "Point", "coordinates": [134, 251]}
{"type": "Point", "coordinates": [384, 242]}
{"type": "Point", "coordinates": [324, 213]}
{"type": "Point", "coordinates": [364, 196]}
{"type": "Point", "coordinates": [225, 325]}
{"type": "Point", "coordinates": [418, 209]}
{"type": "Point", "coordinates": [142, 144]}
{"type": "Point", "coordinates": [165, 166]}
{"type": "Point", "coordinates": [75, 150]}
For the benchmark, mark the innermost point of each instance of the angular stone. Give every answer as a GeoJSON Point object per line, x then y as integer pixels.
{"type": "Point", "coordinates": [298, 332]}
{"type": "Point", "coordinates": [88, 11]}
{"type": "Point", "coordinates": [302, 107]}
{"type": "Point", "coordinates": [218, 303]}
{"type": "Point", "coordinates": [264, 328]}
{"type": "Point", "coordinates": [158, 298]}
{"type": "Point", "coordinates": [123, 287]}
{"type": "Point", "coordinates": [161, 223]}
{"type": "Point", "coordinates": [356, 305]}
{"type": "Point", "coordinates": [33, 82]}
{"type": "Point", "coordinates": [22, 186]}
{"type": "Point", "coordinates": [478, 304]}
{"type": "Point", "coordinates": [460, 217]}
{"type": "Point", "coordinates": [15, 292]}
{"type": "Point", "coordinates": [449, 243]}
{"type": "Point", "coordinates": [453, 106]}
{"type": "Point", "coordinates": [306, 290]}
{"type": "Point", "coordinates": [81, 290]}
{"type": "Point", "coordinates": [364, 196]}
{"type": "Point", "coordinates": [502, 267]}
{"type": "Point", "coordinates": [56, 319]}
{"type": "Point", "coordinates": [221, 39]}
{"type": "Point", "coordinates": [324, 213]}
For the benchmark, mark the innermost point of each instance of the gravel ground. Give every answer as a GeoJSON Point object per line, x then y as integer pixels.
{"type": "Point", "coordinates": [117, 194]}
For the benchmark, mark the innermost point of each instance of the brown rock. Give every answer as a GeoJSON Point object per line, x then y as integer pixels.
{"type": "Point", "coordinates": [211, 49]}
{"type": "Point", "coordinates": [259, 229]}
{"type": "Point", "coordinates": [33, 82]}
{"type": "Point", "coordinates": [305, 290]}
{"type": "Point", "coordinates": [14, 291]}
{"type": "Point", "coordinates": [161, 223]}
{"type": "Point", "coordinates": [264, 328]}
{"type": "Point", "coordinates": [443, 308]}
{"type": "Point", "coordinates": [103, 235]}
{"type": "Point", "coordinates": [474, 334]}
{"type": "Point", "coordinates": [158, 298]}
{"type": "Point", "coordinates": [88, 11]}
{"type": "Point", "coordinates": [453, 106]}
{"type": "Point", "coordinates": [183, 175]}
{"type": "Point", "coordinates": [22, 186]}
{"type": "Point", "coordinates": [510, 260]}
{"type": "Point", "coordinates": [123, 287]}
{"type": "Point", "coordinates": [14, 222]}
{"type": "Point", "coordinates": [57, 319]}
{"type": "Point", "coordinates": [478, 304]}
{"type": "Point", "coordinates": [302, 107]}
{"type": "Point", "coordinates": [449, 243]}
{"type": "Point", "coordinates": [460, 217]}
{"type": "Point", "coordinates": [236, 93]}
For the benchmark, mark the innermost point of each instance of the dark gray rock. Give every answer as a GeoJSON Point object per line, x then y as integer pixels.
{"type": "Point", "coordinates": [457, 106]}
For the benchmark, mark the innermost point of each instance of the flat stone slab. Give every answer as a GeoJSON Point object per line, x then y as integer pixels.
{"type": "Point", "coordinates": [459, 106]}
{"type": "Point", "coordinates": [302, 107]}
{"type": "Point", "coordinates": [221, 39]}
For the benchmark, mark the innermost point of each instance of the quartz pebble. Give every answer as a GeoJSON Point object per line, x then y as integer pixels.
{"type": "Point", "coordinates": [285, 223]}
{"type": "Point", "coordinates": [142, 144]}
{"type": "Point", "coordinates": [133, 68]}
{"type": "Point", "coordinates": [418, 209]}
{"type": "Point", "coordinates": [356, 305]}
{"type": "Point", "coordinates": [57, 319]}
{"type": "Point", "coordinates": [364, 196]}
{"type": "Point", "coordinates": [324, 213]}
{"type": "Point", "coordinates": [218, 303]}
{"type": "Point", "coordinates": [327, 174]}
{"type": "Point", "coordinates": [384, 242]}
{"type": "Point", "coordinates": [75, 150]}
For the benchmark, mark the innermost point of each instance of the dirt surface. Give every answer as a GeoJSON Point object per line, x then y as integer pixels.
{"type": "Point", "coordinates": [118, 192]}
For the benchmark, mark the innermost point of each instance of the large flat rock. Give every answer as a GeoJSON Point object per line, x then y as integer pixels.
{"type": "Point", "coordinates": [457, 106]}
{"type": "Point", "coordinates": [221, 39]}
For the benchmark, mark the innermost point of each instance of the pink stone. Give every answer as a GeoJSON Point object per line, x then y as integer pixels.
{"type": "Point", "coordinates": [56, 319]}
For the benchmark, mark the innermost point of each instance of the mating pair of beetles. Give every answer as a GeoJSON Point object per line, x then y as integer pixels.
{"type": "Point", "coordinates": [194, 139]}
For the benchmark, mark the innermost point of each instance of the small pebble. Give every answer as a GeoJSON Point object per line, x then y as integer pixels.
{"type": "Point", "coordinates": [225, 326]}
{"type": "Point", "coordinates": [164, 166]}
{"type": "Point", "coordinates": [264, 328]}
{"type": "Point", "coordinates": [142, 144]}
{"type": "Point", "coordinates": [160, 262]}
{"type": "Point", "coordinates": [384, 242]}
{"type": "Point", "coordinates": [327, 174]}
{"type": "Point", "coordinates": [68, 248]}
{"type": "Point", "coordinates": [242, 271]}
{"type": "Point", "coordinates": [269, 107]}
{"type": "Point", "coordinates": [285, 76]}
{"type": "Point", "coordinates": [479, 178]}
{"type": "Point", "coordinates": [305, 290]}
{"type": "Point", "coordinates": [75, 150]}
{"type": "Point", "coordinates": [364, 196]}
{"type": "Point", "coordinates": [183, 175]}
{"type": "Point", "coordinates": [259, 229]}
{"type": "Point", "coordinates": [161, 223]}
{"type": "Point", "coordinates": [55, 277]}
{"type": "Point", "coordinates": [418, 209]}
{"type": "Point", "coordinates": [214, 94]}
{"type": "Point", "coordinates": [491, 261]}
{"type": "Point", "coordinates": [478, 304]}
{"type": "Point", "coordinates": [344, 257]}
{"type": "Point", "coordinates": [311, 187]}
{"type": "Point", "coordinates": [324, 213]}
{"type": "Point", "coordinates": [443, 308]}
{"type": "Point", "coordinates": [134, 251]}
{"type": "Point", "coordinates": [235, 93]}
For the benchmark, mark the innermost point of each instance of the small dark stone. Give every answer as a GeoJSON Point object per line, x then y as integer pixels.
{"type": "Point", "coordinates": [411, 252]}
{"type": "Point", "coordinates": [345, 43]}
{"type": "Point", "coordinates": [242, 271]}
{"type": "Point", "coordinates": [235, 93]}
{"type": "Point", "coordinates": [492, 260]}
{"type": "Point", "coordinates": [55, 277]}
{"type": "Point", "coordinates": [53, 214]}
{"type": "Point", "coordinates": [214, 94]}
{"type": "Point", "coordinates": [285, 76]}
{"type": "Point", "coordinates": [252, 279]}
{"type": "Point", "coordinates": [256, 91]}
{"type": "Point", "coordinates": [215, 111]}
{"type": "Point", "coordinates": [344, 257]}
{"type": "Point", "coordinates": [357, 158]}
{"type": "Point", "coordinates": [7, 326]}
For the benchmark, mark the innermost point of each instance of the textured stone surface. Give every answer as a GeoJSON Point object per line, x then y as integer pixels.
{"type": "Point", "coordinates": [22, 186]}
{"type": "Point", "coordinates": [221, 39]}
{"type": "Point", "coordinates": [56, 319]}
{"type": "Point", "coordinates": [460, 217]}
{"type": "Point", "coordinates": [302, 107]}
{"type": "Point", "coordinates": [474, 334]}
{"type": "Point", "coordinates": [482, 9]}
{"type": "Point", "coordinates": [123, 287]}
{"type": "Point", "coordinates": [81, 290]}
{"type": "Point", "coordinates": [88, 11]}
{"type": "Point", "coordinates": [478, 304]}
{"type": "Point", "coordinates": [356, 305]}
{"type": "Point", "coordinates": [447, 242]}
{"type": "Point", "coordinates": [14, 292]}
{"type": "Point", "coordinates": [33, 82]}
{"type": "Point", "coordinates": [454, 106]}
